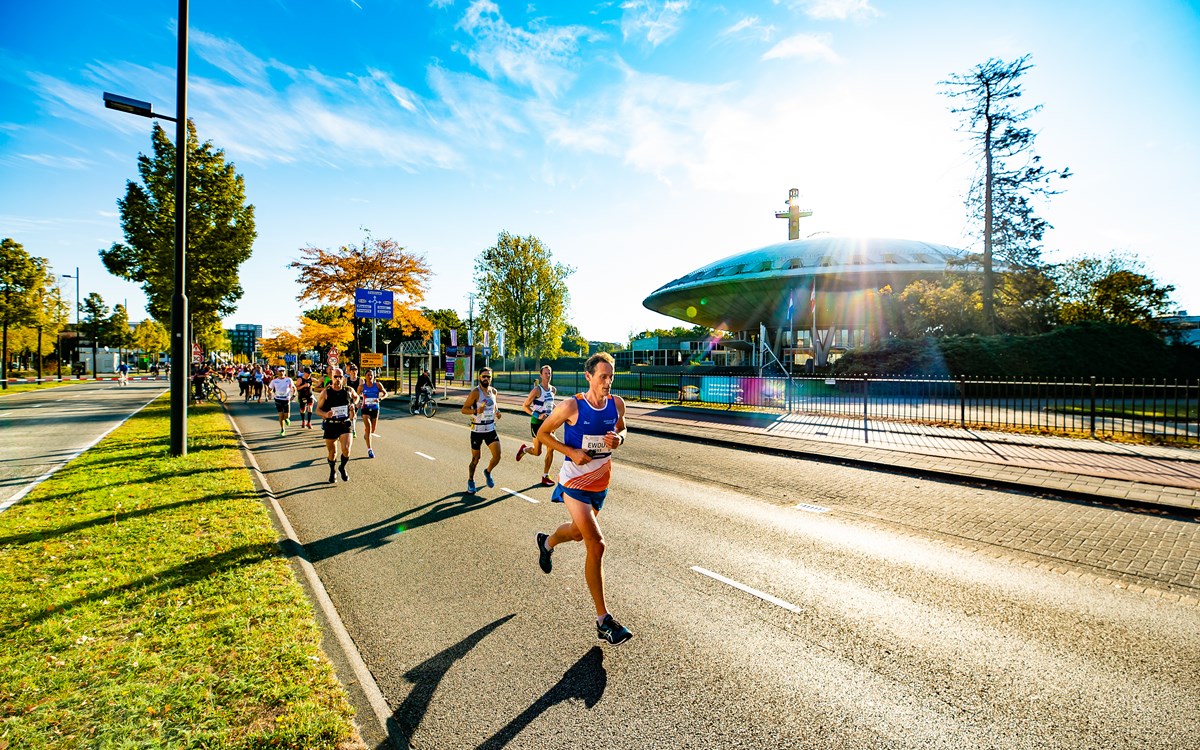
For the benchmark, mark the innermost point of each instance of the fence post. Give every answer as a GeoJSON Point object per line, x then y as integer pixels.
{"type": "Point", "coordinates": [866, 399]}
{"type": "Point", "coordinates": [962, 402]}
{"type": "Point", "coordinates": [640, 396]}
{"type": "Point", "coordinates": [1092, 430]}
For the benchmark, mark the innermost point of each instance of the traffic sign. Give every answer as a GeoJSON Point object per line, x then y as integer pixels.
{"type": "Point", "coordinates": [373, 303]}
{"type": "Point", "coordinates": [372, 360]}
{"type": "Point", "coordinates": [332, 356]}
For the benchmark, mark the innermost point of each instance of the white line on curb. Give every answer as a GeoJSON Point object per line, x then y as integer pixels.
{"type": "Point", "coordinates": [50, 472]}
{"type": "Point", "coordinates": [365, 679]}
{"type": "Point", "coordinates": [518, 494]}
{"type": "Point", "coordinates": [812, 508]}
{"type": "Point", "coordinates": [422, 455]}
{"type": "Point", "coordinates": [752, 592]}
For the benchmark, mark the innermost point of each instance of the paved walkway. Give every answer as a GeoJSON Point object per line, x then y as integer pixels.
{"type": "Point", "coordinates": [1139, 475]}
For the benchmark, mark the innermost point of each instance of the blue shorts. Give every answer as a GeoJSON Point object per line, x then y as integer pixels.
{"type": "Point", "coordinates": [594, 499]}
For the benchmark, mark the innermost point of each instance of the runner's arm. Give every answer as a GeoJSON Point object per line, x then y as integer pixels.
{"type": "Point", "coordinates": [528, 405]}
{"type": "Point", "coordinates": [616, 438]}
{"type": "Point", "coordinates": [468, 406]}
{"type": "Point", "coordinates": [566, 412]}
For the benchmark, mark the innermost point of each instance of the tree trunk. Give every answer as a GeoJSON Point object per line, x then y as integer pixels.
{"type": "Point", "coordinates": [989, 281]}
{"type": "Point", "coordinates": [4, 360]}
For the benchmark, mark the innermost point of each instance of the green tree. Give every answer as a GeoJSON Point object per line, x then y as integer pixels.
{"type": "Point", "coordinates": [1113, 289]}
{"type": "Point", "coordinates": [151, 337]}
{"type": "Point", "coordinates": [94, 325]}
{"type": "Point", "coordinates": [40, 336]}
{"type": "Point", "coordinates": [1010, 175]}
{"type": "Point", "coordinates": [573, 342]}
{"type": "Point", "coordinates": [21, 275]}
{"type": "Point", "coordinates": [524, 293]}
{"type": "Point", "coordinates": [213, 338]}
{"type": "Point", "coordinates": [220, 230]}
{"type": "Point", "coordinates": [119, 333]}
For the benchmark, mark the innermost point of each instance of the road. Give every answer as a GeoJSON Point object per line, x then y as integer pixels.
{"type": "Point", "coordinates": [888, 612]}
{"type": "Point", "coordinates": [44, 429]}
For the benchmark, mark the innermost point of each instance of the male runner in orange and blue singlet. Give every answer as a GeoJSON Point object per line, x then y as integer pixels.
{"type": "Point", "coordinates": [595, 426]}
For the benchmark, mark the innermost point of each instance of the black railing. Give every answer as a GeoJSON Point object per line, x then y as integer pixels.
{"type": "Point", "coordinates": [1148, 410]}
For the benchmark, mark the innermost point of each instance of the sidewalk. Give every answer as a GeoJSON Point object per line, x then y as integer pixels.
{"type": "Point", "coordinates": [1156, 477]}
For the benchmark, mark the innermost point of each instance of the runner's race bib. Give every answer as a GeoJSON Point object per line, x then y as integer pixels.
{"type": "Point", "coordinates": [594, 444]}
{"type": "Point", "coordinates": [368, 401]}
{"type": "Point", "coordinates": [339, 412]}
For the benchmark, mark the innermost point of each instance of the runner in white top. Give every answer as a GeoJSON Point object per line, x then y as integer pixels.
{"type": "Point", "coordinates": [538, 405]}
{"type": "Point", "coordinates": [481, 405]}
{"type": "Point", "coordinates": [283, 389]}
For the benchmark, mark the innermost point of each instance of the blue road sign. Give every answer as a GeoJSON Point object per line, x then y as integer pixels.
{"type": "Point", "coordinates": [373, 303]}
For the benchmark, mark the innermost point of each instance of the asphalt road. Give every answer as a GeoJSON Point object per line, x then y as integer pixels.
{"type": "Point", "coordinates": [42, 430]}
{"type": "Point", "coordinates": [911, 614]}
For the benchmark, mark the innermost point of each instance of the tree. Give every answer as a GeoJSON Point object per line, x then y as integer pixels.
{"type": "Point", "coordinates": [119, 333]}
{"type": "Point", "coordinates": [1010, 175]}
{"type": "Point", "coordinates": [213, 338]}
{"type": "Point", "coordinates": [94, 325]}
{"type": "Point", "coordinates": [281, 342]}
{"type": "Point", "coordinates": [573, 343]}
{"type": "Point", "coordinates": [151, 337]}
{"type": "Point", "coordinates": [220, 230]}
{"type": "Point", "coordinates": [332, 276]}
{"type": "Point", "coordinates": [21, 276]}
{"type": "Point", "coordinates": [524, 293]}
{"type": "Point", "coordinates": [1113, 289]}
{"type": "Point", "coordinates": [321, 337]}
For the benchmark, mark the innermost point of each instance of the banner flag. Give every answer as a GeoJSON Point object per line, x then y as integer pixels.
{"type": "Point", "coordinates": [791, 299]}
{"type": "Point", "coordinates": [500, 344]}
{"type": "Point", "coordinates": [437, 342]}
{"type": "Point", "coordinates": [453, 337]}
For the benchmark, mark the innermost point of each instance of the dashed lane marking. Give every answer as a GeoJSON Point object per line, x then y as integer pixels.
{"type": "Point", "coordinates": [751, 591]}
{"type": "Point", "coordinates": [422, 455]}
{"type": "Point", "coordinates": [518, 494]}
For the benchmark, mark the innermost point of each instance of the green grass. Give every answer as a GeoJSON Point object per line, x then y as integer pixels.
{"type": "Point", "coordinates": [23, 387]}
{"type": "Point", "coordinates": [144, 603]}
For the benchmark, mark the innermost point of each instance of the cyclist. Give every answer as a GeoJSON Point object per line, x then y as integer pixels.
{"type": "Point", "coordinates": [424, 391]}
{"type": "Point", "coordinates": [122, 375]}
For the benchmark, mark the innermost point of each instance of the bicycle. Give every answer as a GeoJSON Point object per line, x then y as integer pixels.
{"type": "Point", "coordinates": [211, 390]}
{"type": "Point", "coordinates": [425, 403]}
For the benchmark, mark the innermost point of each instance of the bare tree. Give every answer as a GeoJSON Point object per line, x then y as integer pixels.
{"type": "Point", "coordinates": [1011, 175]}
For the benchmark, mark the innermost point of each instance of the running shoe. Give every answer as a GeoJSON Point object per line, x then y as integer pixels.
{"type": "Point", "coordinates": [521, 451]}
{"type": "Point", "coordinates": [543, 553]}
{"type": "Point", "coordinates": [488, 476]}
{"type": "Point", "coordinates": [612, 631]}
{"type": "Point", "coordinates": [470, 486]}
{"type": "Point", "coordinates": [332, 475]}
{"type": "Point", "coordinates": [370, 453]}
{"type": "Point", "coordinates": [287, 422]}
{"type": "Point", "coordinates": [281, 432]}
{"type": "Point", "coordinates": [547, 481]}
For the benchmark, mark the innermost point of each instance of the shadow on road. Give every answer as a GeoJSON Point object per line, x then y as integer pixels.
{"type": "Point", "coordinates": [380, 532]}
{"type": "Point", "coordinates": [584, 681]}
{"type": "Point", "coordinates": [425, 678]}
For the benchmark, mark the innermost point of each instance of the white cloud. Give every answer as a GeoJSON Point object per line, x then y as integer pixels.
{"type": "Point", "coordinates": [440, 3]}
{"type": "Point", "coordinates": [57, 161]}
{"type": "Point", "coordinates": [540, 58]}
{"type": "Point", "coordinates": [837, 10]}
{"type": "Point", "coordinates": [230, 57]}
{"type": "Point", "coordinates": [750, 26]}
{"type": "Point", "coordinates": [658, 22]}
{"type": "Point", "coordinates": [804, 46]}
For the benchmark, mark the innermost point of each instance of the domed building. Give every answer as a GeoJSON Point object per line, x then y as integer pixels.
{"type": "Point", "coordinates": [822, 288]}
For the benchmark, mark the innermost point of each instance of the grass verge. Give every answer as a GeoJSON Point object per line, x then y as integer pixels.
{"type": "Point", "coordinates": [23, 387]}
{"type": "Point", "coordinates": [144, 603]}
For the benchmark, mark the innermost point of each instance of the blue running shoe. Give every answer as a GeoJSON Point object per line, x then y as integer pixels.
{"type": "Point", "coordinates": [612, 631]}
{"type": "Point", "coordinates": [488, 476]}
{"type": "Point", "coordinates": [470, 486]}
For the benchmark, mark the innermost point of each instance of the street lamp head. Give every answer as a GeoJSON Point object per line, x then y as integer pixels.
{"type": "Point", "coordinates": [132, 106]}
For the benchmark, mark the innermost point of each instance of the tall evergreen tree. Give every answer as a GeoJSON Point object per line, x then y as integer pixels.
{"type": "Point", "coordinates": [1010, 175]}
{"type": "Point", "coordinates": [220, 230]}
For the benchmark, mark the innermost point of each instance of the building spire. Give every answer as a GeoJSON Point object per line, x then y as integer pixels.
{"type": "Point", "coordinates": [793, 214]}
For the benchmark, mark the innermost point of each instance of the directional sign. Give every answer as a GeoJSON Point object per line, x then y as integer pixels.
{"type": "Point", "coordinates": [370, 359]}
{"type": "Point", "coordinates": [373, 303]}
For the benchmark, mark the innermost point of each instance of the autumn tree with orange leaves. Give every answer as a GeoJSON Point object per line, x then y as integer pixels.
{"type": "Point", "coordinates": [331, 276]}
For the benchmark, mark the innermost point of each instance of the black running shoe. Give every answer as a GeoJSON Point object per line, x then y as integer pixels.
{"type": "Point", "coordinates": [543, 553]}
{"type": "Point", "coordinates": [342, 471]}
{"type": "Point", "coordinates": [612, 631]}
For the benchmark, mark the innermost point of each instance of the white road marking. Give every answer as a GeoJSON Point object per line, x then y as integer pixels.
{"type": "Point", "coordinates": [518, 494]}
{"type": "Point", "coordinates": [812, 508]}
{"type": "Point", "coordinates": [422, 455]}
{"type": "Point", "coordinates": [753, 592]}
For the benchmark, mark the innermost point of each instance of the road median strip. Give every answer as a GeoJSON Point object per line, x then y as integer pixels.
{"type": "Point", "coordinates": [144, 596]}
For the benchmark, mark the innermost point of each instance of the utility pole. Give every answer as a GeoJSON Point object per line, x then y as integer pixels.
{"type": "Point", "coordinates": [471, 336]}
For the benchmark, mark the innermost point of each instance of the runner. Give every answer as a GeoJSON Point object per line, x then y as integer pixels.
{"type": "Point", "coordinates": [304, 394]}
{"type": "Point", "coordinates": [284, 391]}
{"type": "Point", "coordinates": [481, 405]}
{"type": "Point", "coordinates": [595, 426]}
{"type": "Point", "coordinates": [243, 379]}
{"type": "Point", "coordinates": [372, 392]}
{"type": "Point", "coordinates": [354, 383]}
{"type": "Point", "coordinates": [257, 381]}
{"type": "Point", "coordinates": [333, 406]}
{"type": "Point", "coordinates": [122, 375]}
{"type": "Point", "coordinates": [538, 405]}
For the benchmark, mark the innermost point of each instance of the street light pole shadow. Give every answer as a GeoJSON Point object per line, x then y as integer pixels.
{"type": "Point", "coordinates": [584, 681]}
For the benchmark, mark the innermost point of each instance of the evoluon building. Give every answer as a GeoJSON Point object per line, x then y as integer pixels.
{"type": "Point", "coordinates": [821, 289]}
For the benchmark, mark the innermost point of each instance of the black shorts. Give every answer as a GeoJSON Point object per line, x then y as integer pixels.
{"type": "Point", "coordinates": [304, 396]}
{"type": "Point", "coordinates": [333, 429]}
{"type": "Point", "coordinates": [479, 438]}
{"type": "Point", "coordinates": [283, 405]}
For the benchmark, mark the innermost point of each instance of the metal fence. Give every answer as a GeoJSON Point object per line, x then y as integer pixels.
{"type": "Point", "coordinates": [1149, 410]}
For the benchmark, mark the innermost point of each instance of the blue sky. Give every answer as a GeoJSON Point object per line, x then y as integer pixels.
{"type": "Point", "coordinates": [638, 139]}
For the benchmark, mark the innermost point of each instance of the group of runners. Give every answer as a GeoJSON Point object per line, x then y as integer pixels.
{"type": "Point", "coordinates": [593, 425]}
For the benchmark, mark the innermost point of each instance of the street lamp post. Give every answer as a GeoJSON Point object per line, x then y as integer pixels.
{"type": "Point", "coordinates": [180, 337]}
{"type": "Point", "coordinates": [77, 306]}
{"type": "Point", "coordinates": [387, 354]}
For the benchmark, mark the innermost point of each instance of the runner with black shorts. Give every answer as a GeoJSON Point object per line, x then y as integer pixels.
{"type": "Point", "coordinates": [304, 394]}
{"type": "Point", "coordinates": [538, 405]}
{"type": "Point", "coordinates": [481, 405]}
{"type": "Point", "coordinates": [284, 390]}
{"type": "Point", "coordinates": [333, 406]}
